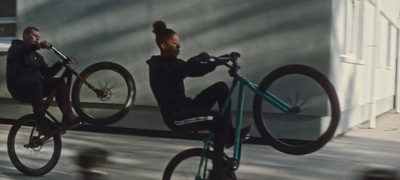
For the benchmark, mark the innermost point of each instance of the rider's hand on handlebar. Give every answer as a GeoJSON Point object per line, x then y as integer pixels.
{"type": "Point", "coordinates": [44, 45]}
{"type": "Point", "coordinates": [234, 55]}
{"type": "Point", "coordinates": [205, 57]}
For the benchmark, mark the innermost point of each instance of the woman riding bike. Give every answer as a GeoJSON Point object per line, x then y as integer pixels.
{"type": "Point", "coordinates": [181, 113]}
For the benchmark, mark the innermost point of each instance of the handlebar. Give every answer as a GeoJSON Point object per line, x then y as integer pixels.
{"type": "Point", "coordinates": [232, 57]}
{"type": "Point", "coordinates": [66, 61]}
{"type": "Point", "coordinates": [221, 58]}
{"type": "Point", "coordinates": [59, 54]}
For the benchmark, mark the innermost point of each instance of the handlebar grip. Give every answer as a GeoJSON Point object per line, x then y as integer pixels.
{"type": "Point", "coordinates": [224, 58]}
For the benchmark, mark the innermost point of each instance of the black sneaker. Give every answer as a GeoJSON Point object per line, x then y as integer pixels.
{"type": "Point", "coordinates": [74, 122]}
{"type": "Point", "coordinates": [218, 176]}
{"type": "Point", "coordinates": [50, 131]}
{"type": "Point", "coordinates": [244, 134]}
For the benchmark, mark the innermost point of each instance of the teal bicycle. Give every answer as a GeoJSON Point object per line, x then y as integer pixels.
{"type": "Point", "coordinates": [295, 108]}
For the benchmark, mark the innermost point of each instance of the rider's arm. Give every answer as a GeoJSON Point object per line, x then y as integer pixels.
{"type": "Point", "coordinates": [200, 65]}
{"type": "Point", "coordinates": [19, 51]}
{"type": "Point", "coordinates": [22, 49]}
{"type": "Point", "coordinates": [51, 71]}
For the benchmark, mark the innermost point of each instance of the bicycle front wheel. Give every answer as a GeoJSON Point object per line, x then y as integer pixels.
{"type": "Point", "coordinates": [27, 152]}
{"type": "Point", "coordinates": [185, 166]}
{"type": "Point", "coordinates": [113, 80]}
{"type": "Point", "coordinates": [314, 102]}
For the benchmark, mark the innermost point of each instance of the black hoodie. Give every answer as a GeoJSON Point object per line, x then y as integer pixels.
{"type": "Point", "coordinates": [24, 64]}
{"type": "Point", "coordinates": [166, 81]}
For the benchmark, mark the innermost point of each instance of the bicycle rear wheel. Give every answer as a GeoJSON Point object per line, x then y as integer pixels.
{"type": "Point", "coordinates": [27, 153]}
{"type": "Point", "coordinates": [115, 81]}
{"type": "Point", "coordinates": [310, 93]}
{"type": "Point", "coordinates": [185, 166]}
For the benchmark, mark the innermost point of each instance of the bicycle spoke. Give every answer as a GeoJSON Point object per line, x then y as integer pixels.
{"type": "Point", "coordinates": [313, 101]}
{"type": "Point", "coordinates": [112, 79]}
{"type": "Point", "coordinates": [29, 153]}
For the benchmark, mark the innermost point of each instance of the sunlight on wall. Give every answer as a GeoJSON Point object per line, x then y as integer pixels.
{"type": "Point", "coordinates": [267, 34]}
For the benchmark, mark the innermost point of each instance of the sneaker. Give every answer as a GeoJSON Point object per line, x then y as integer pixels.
{"type": "Point", "coordinates": [73, 122]}
{"type": "Point", "coordinates": [218, 176]}
{"type": "Point", "coordinates": [244, 134]}
{"type": "Point", "coordinates": [50, 131]}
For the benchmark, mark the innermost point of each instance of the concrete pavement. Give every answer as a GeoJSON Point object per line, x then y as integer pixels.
{"type": "Point", "coordinates": [144, 158]}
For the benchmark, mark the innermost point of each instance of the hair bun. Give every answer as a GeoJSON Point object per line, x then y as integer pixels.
{"type": "Point", "coordinates": [159, 27]}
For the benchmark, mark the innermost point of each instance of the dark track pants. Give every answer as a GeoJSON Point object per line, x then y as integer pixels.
{"type": "Point", "coordinates": [199, 117]}
{"type": "Point", "coordinates": [35, 91]}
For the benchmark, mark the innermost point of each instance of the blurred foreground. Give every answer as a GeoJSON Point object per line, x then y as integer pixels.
{"type": "Point", "coordinates": [144, 158]}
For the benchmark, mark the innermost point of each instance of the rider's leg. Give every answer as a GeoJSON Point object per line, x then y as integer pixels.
{"type": "Point", "coordinates": [219, 92]}
{"type": "Point", "coordinates": [61, 88]}
{"type": "Point", "coordinates": [216, 93]}
{"type": "Point", "coordinates": [197, 119]}
{"type": "Point", "coordinates": [221, 132]}
{"type": "Point", "coordinates": [35, 94]}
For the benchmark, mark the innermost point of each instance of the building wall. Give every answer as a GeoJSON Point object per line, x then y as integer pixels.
{"type": "Point", "coordinates": [268, 34]}
{"type": "Point", "coordinates": [120, 31]}
{"type": "Point", "coordinates": [361, 59]}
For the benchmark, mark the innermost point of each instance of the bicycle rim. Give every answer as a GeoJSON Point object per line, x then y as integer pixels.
{"type": "Point", "coordinates": [112, 79]}
{"type": "Point", "coordinates": [27, 154]}
{"type": "Point", "coordinates": [308, 91]}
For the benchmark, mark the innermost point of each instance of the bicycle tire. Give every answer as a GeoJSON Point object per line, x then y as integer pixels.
{"type": "Point", "coordinates": [282, 137]}
{"type": "Point", "coordinates": [118, 101]}
{"type": "Point", "coordinates": [28, 160]}
{"type": "Point", "coordinates": [171, 173]}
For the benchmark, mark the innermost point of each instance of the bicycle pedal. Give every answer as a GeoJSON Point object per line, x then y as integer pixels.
{"type": "Point", "coordinates": [72, 126]}
{"type": "Point", "coordinates": [84, 123]}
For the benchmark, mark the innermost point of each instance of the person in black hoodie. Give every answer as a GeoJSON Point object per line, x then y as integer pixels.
{"type": "Point", "coordinates": [29, 79]}
{"type": "Point", "coordinates": [181, 113]}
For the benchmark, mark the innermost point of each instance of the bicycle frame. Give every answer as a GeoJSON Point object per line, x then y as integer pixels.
{"type": "Point", "coordinates": [68, 72]}
{"type": "Point", "coordinates": [64, 58]}
{"type": "Point", "coordinates": [241, 81]}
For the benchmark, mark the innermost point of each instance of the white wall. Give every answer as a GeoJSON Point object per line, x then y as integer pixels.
{"type": "Point", "coordinates": [357, 90]}
{"type": "Point", "coordinates": [269, 34]}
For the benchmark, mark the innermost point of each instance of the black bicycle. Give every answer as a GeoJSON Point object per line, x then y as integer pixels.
{"type": "Point", "coordinates": [102, 94]}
